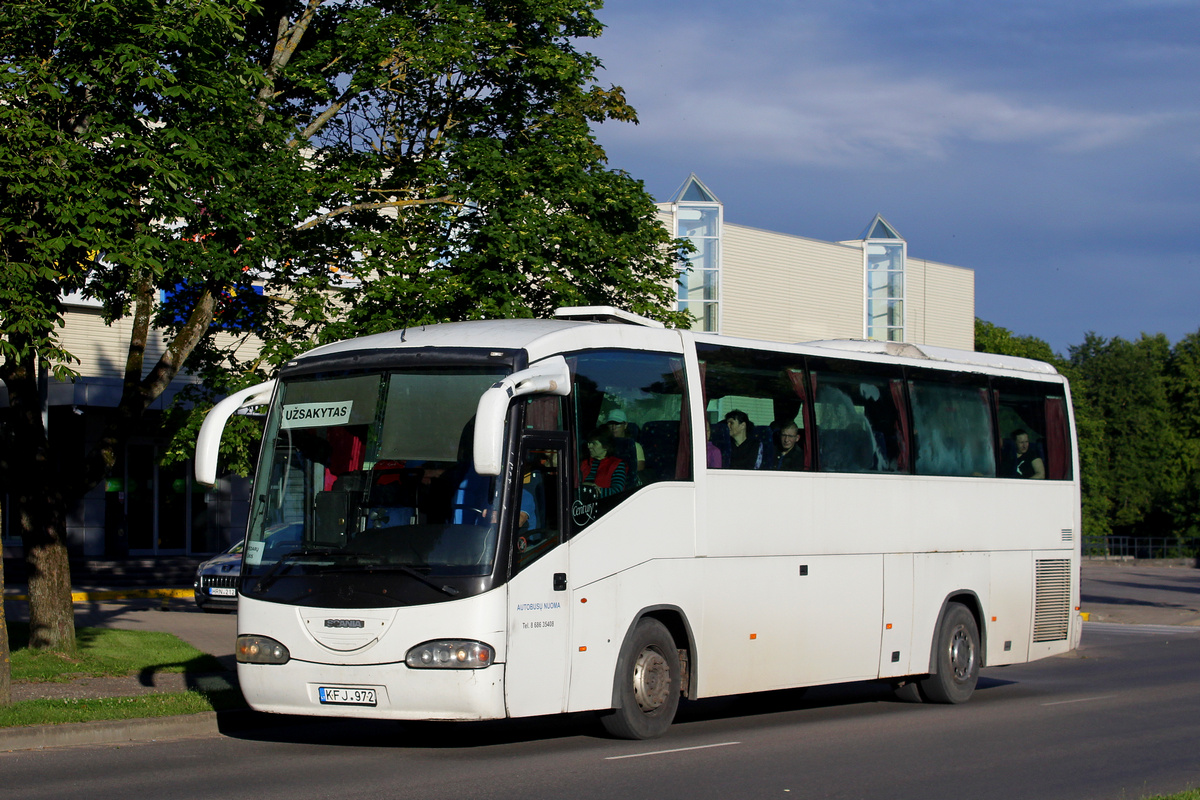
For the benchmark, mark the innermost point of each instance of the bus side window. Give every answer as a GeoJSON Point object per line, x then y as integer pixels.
{"type": "Point", "coordinates": [634, 401]}
{"type": "Point", "coordinates": [952, 426]}
{"type": "Point", "coordinates": [861, 418]}
{"type": "Point", "coordinates": [1036, 419]}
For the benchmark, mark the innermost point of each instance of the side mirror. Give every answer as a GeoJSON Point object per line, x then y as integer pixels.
{"type": "Point", "coordinates": [208, 442]}
{"type": "Point", "coordinates": [551, 376]}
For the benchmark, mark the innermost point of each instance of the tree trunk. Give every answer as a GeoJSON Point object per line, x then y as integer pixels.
{"type": "Point", "coordinates": [5, 661]}
{"type": "Point", "coordinates": [37, 511]}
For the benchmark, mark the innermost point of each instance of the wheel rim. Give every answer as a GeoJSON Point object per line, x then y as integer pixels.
{"type": "Point", "coordinates": [962, 654]}
{"type": "Point", "coordinates": [651, 679]}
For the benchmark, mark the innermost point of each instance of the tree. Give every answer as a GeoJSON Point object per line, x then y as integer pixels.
{"type": "Point", "coordinates": [1124, 383]}
{"type": "Point", "coordinates": [991, 338]}
{"type": "Point", "coordinates": [1183, 392]}
{"type": "Point", "coordinates": [5, 663]}
{"type": "Point", "coordinates": [366, 164]}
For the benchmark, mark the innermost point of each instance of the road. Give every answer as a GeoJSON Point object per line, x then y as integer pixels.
{"type": "Point", "coordinates": [1119, 718]}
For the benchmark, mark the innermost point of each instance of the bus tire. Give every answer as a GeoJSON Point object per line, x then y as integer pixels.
{"type": "Point", "coordinates": [957, 658]}
{"type": "Point", "coordinates": [648, 683]}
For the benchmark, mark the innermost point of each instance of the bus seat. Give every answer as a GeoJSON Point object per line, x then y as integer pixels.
{"type": "Point", "coordinates": [660, 442]}
{"type": "Point", "coordinates": [846, 450]}
{"type": "Point", "coordinates": [720, 437]}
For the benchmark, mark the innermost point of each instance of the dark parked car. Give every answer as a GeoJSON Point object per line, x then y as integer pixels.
{"type": "Point", "coordinates": [217, 580]}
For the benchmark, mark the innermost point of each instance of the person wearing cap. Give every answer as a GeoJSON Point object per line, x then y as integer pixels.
{"type": "Point", "coordinates": [618, 426]}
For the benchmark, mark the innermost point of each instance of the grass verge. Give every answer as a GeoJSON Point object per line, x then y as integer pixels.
{"type": "Point", "coordinates": [57, 712]}
{"type": "Point", "coordinates": [100, 653]}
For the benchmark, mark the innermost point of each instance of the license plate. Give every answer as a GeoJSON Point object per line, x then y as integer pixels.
{"type": "Point", "coordinates": [346, 695]}
{"type": "Point", "coordinates": [223, 591]}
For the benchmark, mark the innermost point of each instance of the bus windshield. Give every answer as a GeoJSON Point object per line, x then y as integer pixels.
{"type": "Point", "coordinates": [366, 485]}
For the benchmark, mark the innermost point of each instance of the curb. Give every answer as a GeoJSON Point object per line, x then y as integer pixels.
{"type": "Point", "coordinates": [116, 594]}
{"type": "Point", "coordinates": [117, 731]}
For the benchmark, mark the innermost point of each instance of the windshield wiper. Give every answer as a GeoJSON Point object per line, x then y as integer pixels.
{"type": "Point", "coordinates": [287, 559]}
{"type": "Point", "coordinates": [409, 571]}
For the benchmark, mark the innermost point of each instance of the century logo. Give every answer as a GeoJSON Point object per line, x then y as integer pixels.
{"type": "Point", "coordinates": [345, 623]}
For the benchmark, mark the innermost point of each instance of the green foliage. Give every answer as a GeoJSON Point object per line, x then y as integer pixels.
{"type": "Point", "coordinates": [991, 338]}
{"type": "Point", "coordinates": [1125, 384]}
{"type": "Point", "coordinates": [1183, 393]}
{"type": "Point", "coordinates": [365, 166]}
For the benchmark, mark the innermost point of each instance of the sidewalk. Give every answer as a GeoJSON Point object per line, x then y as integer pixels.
{"type": "Point", "coordinates": [1115, 592]}
{"type": "Point", "coordinates": [1141, 593]}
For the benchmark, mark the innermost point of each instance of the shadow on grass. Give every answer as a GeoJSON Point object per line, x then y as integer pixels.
{"type": "Point", "coordinates": [117, 674]}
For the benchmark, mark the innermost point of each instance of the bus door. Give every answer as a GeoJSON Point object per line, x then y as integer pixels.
{"type": "Point", "coordinates": [538, 660]}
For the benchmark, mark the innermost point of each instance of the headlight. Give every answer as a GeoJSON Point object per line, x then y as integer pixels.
{"type": "Point", "coordinates": [260, 650]}
{"type": "Point", "coordinates": [450, 654]}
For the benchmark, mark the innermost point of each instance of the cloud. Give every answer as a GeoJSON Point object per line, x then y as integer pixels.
{"type": "Point", "coordinates": [796, 99]}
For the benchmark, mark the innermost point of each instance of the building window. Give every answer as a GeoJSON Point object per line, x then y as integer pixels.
{"type": "Point", "coordinates": [885, 253]}
{"type": "Point", "coordinates": [698, 213]}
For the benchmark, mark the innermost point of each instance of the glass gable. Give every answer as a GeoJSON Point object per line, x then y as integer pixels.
{"type": "Point", "coordinates": [884, 260]}
{"type": "Point", "coordinates": [698, 219]}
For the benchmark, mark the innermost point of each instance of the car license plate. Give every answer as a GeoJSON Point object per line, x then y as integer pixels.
{"type": "Point", "coordinates": [346, 695]}
{"type": "Point", "coordinates": [223, 591]}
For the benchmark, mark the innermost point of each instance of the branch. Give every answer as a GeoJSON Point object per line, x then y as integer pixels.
{"type": "Point", "coordinates": [286, 42]}
{"type": "Point", "coordinates": [449, 199]}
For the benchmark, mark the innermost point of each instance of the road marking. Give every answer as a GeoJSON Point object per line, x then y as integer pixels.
{"type": "Point", "coordinates": [1122, 628]}
{"type": "Point", "coordinates": [1080, 700]}
{"type": "Point", "coordinates": [676, 750]}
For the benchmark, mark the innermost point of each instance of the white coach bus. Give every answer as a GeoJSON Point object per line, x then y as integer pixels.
{"type": "Point", "coordinates": [510, 518]}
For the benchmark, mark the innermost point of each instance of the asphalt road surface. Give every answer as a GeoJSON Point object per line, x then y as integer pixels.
{"type": "Point", "coordinates": [1119, 718]}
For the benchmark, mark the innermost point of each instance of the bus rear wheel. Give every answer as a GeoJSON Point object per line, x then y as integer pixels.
{"type": "Point", "coordinates": [958, 658]}
{"type": "Point", "coordinates": [648, 684]}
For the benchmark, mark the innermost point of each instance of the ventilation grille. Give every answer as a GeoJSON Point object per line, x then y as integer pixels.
{"type": "Point", "coordinates": [1068, 535]}
{"type": "Point", "coordinates": [1052, 603]}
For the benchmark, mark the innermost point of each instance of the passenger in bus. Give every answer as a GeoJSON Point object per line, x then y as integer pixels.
{"type": "Point", "coordinates": [712, 452]}
{"type": "Point", "coordinates": [529, 511]}
{"type": "Point", "coordinates": [618, 426]}
{"type": "Point", "coordinates": [1024, 462]}
{"type": "Point", "coordinates": [604, 473]}
{"type": "Point", "coordinates": [746, 451]}
{"type": "Point", "coordinates": [791, 458]}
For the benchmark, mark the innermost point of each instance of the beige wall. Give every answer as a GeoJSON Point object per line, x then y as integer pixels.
{"type": "Point", "coordinates": [785, 288]}
{"type": "Point", "coordinates": [102, 349]}
{"type": "Point", "coordinates": [941, 310]}
{"type": "Point", "coordinates": [788, 288]}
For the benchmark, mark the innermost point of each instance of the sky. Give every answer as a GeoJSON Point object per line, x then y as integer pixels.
{"type": "Point", "coordinates": [1053, 146]}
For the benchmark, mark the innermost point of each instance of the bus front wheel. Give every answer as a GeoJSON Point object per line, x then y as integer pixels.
{"type": "Point", "coordinates": [958, 658]}
{"type": "Point", "coordinates": [648, 684]}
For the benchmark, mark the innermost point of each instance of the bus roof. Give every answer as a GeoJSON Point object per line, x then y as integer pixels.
{"type": "Point", "coordinates": [933, 353]}
{"type": "Point", "coordinates": [595, 327]}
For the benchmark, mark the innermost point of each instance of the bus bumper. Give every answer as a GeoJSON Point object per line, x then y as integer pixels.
{"type": "Point", "coordinates": [398, 691]}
